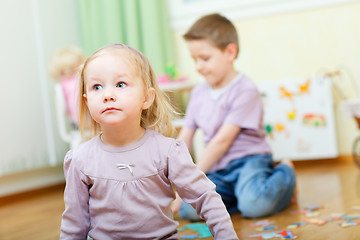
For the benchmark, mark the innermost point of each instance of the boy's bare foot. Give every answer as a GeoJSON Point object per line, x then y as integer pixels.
{"type": "Point", "coordinates": [288, 162]}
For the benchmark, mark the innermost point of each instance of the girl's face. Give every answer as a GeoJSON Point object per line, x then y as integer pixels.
{"type": "Point", "coordinates": [115, 94]}
{"type": "Point", "coordinates": [214, 64]}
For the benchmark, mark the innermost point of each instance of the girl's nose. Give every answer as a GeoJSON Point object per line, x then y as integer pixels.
{"type": "Point", "coordinates": [109, 96]}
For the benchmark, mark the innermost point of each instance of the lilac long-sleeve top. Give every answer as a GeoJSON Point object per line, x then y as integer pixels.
{"type": "Point", "coordinates": [125, 192]}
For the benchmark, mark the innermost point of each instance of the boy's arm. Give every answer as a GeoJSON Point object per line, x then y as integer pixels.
{"type": "Point", "coordinates": [218, 146]}
{"type": "Point", "coordinates": [187, 135]}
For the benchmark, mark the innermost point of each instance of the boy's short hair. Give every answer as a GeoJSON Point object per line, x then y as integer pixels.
{"type": "Point", "coordinates": [214, 28]}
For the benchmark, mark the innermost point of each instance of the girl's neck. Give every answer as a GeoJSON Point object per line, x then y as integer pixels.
{"type": "Point", "coordinates": [121, 137]}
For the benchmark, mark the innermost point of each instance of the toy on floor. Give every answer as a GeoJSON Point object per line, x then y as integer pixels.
{"type": "Point", "coordinates": [201, 229]}
{"type": "Point", "coordinates": [286, 234]}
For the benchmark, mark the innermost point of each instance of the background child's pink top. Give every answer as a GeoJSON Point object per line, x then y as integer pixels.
{"type": "Point", "coordinates": [132, 201]}
{"type": "Point", "coordinates": [240, 104]}
{"type": "Point", "coordinates": [69, 86]}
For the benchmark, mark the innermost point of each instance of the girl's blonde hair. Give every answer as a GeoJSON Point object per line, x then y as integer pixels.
{"type": "Point", "coordinates": [157, 117]}
{"type": "Point", "coordinates": [65, 61]}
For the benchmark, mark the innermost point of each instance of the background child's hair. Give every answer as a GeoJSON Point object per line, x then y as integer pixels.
{"type": "Point", "coordinates": [65, 61]}
{"type": "Point", "coordinates": [157, 117]}
{"type": "Point", "coordinates": [214, 28]}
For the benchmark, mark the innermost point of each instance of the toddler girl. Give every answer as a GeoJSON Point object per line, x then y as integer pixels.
{"type": "Point", "coordinates": [120, 183]}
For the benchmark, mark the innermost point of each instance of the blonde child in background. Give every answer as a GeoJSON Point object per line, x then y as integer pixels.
{"type": "Point", "coordinates": [63, 68]}
{"type": "Point", "coordinates": [120, 184]}
{"type": "Point", "coordinates": [227, 107]}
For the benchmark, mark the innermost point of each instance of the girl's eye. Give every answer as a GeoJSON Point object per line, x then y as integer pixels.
{"type": "Point", "coordinates": [121, 85]}
{"type": "Point", "coordinates": [97, 87]}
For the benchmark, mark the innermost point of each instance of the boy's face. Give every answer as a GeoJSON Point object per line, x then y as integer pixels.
{"type": "Point", "coordinates": [214, 64]}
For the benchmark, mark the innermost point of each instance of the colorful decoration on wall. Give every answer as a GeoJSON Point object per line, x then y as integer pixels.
{"type": "Point", "coordinates": [299, 118]}
{"type": "Point", "coordinates": [314, 120]}
{"type": "Point", "coordinates": [291, 115]}
{"type": "Point", "coordinates": [285, 93]}
{"type": "Point", "coordinates": [303, 88]}
{"type": "Point", "coordinates": [303, 145]}
{"type": "Point", "coordinates": [278, 128]}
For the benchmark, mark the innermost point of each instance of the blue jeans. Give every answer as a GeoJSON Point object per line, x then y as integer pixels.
{"type": "Point", "coordinates": [252, 186]}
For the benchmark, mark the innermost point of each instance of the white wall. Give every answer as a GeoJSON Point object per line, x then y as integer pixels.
{"type": "Point", "coordinates": [31, 31]}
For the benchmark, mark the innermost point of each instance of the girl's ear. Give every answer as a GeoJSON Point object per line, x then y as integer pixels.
{"type": "Point", "coordinates": [149, 98]}
{"type": "Point", "coordinates": [232, 50]}
{"type": "Point", "coordinates": [85, 98]}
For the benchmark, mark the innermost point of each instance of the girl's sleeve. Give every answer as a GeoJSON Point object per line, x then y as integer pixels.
{"type": "Point", "coordinates": [196, 189]}
{"type": "Point", "coordinates": [75, 223]}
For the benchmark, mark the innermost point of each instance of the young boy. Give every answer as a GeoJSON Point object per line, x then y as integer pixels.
{"type": "Point", "coordinates": [228, 109]}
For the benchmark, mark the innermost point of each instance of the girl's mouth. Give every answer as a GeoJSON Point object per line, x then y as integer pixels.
{"type": "Point", "coordinates": [110, 109]}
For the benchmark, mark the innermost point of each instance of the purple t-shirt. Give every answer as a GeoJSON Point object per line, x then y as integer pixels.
{"type": "Point", "coordinates": [239, 104]}
{"type": "Point", "coordinates": [125, 192]}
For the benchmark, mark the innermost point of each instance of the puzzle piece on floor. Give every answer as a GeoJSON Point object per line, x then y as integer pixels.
{"type": "Point", "coordinates": [310, 211]}
{"type": "Point", "coordinates": [337, 216]}
{"type": "Point", "coordinates": [328, 219]}
{"type": "Point", "coordinates": [350, 217]}
{"type": "Point", "coordinates": [312, 214]}
{"type": "Point", "coordinates": [189, 237]}
{"type": "Point", "coordinates": [307, 213]}
{"type": "Point", "coordinates": [315, 221]}
{"type": "Point", "coordinates": [200, 228]}
{"type": "Point", "coordinates": [314, 207]}
{"type": "Point", "coordinates": [348, 223]}
{"type": "Point", "coordinates": [286, 234]}
{"type": "Point", "coordinates": [262, 223]}
{"type": "Point", "coordinates": [296, 225]}
{"type": "Point", "coordinates": [265, 228]}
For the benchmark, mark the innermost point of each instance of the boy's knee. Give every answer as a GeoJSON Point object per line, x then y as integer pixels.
{"type": "Point", "coordinates": [255, 208]}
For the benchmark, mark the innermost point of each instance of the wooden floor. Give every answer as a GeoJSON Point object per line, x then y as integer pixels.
{"type": "Point", "coordinates": [335, 184]}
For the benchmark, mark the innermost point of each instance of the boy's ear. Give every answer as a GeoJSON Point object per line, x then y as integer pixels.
{"type": "Point", "coordinates": [149, 98]}
{"type": "Point", "coordinates": [232, 50]}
